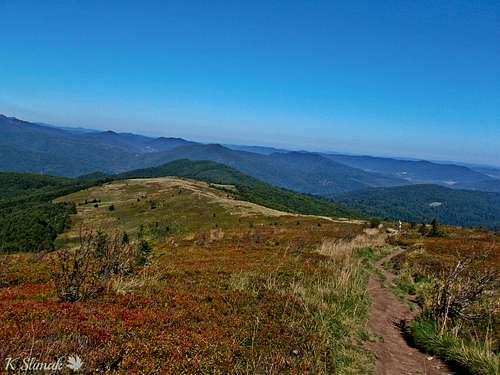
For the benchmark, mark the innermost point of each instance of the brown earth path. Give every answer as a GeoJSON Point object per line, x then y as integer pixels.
{"type": "Point", "coordinates": [387, 313]}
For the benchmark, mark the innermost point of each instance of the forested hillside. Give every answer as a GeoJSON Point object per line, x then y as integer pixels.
{"type": "Point", "coordinates": [417, 202]}
{"type": "Point", "coordinates": [29, 221]}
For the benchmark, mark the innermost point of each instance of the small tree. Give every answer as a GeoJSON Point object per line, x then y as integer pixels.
{"type": "Point", "coordinates": [423, 228]}
{"type": "Point", "coordinates": [374, 222]}
{"type": "Point", "coordinates": [144, 249]}
{"type": "Point", "coordinates": [435, 230]}
{"type": "Point", "coordinates": [125, 239]}
{"type": "Point", "coordinates": [112, 208]}
{"type": "Point", "coordinates": [140, 232]}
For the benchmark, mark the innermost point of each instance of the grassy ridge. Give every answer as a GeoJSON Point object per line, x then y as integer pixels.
{"type": "Point", "coordinates": [29, 221]}
{"type": "Point", "coordinates": [248, 188]}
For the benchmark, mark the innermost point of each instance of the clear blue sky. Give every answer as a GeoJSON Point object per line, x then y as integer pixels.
{"type": "Point", "coordinates": [410, 78]}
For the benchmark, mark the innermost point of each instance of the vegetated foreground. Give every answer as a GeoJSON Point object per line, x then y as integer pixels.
{"type": "Point", "coordinates": [168, 275]}
{"type": "Point", "coordinates": [451, 276]}
{"type": "Point", "coordinates": [217, 285]}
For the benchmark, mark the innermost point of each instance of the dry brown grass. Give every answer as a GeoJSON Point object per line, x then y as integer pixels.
{"type": "Point", "coordinates": [344, 247]}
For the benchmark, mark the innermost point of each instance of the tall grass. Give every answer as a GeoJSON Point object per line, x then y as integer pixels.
{"type": "Point", "coordinates": [471, 356]}
{"type": "Point", "coordinates": [333, 296]}
{"type": "Point", "coordinates": [338, 301]}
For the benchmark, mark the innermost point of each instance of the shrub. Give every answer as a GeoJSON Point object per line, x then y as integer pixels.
{"type": "Point", "coordinates": [459, 310]}
{"type": "Point", "coordinates": [111, 208]}
{"type": "Point", "coordinates": [87, 271]}
{"type": "Point", "coordinates": [125, 239]}
{"type": "Point", "coordinates": [460, 290]}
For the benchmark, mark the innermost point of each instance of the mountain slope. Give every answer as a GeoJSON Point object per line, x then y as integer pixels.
{"type": "Point", "coordinates": [417, 202]}
{"type": "Point", "coordinates": [248, 188]}
{"type": "Point", "coordinates": [256, 149]}
{"type": "Point", "coordinates": [27, 147]}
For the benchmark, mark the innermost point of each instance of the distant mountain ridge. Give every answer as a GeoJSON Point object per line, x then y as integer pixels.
{"type": "Point", "coordinates": [54, 151]}
{"type": "Point", "coordinates": [422, 172]}
{"type": "Point", "coordinates": [30, 147]}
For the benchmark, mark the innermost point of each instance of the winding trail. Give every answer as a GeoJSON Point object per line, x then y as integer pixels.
{"type": "Point", "coordinates": [387, 316]}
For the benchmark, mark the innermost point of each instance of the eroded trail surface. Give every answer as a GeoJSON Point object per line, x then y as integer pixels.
{"type": "Point", "coordinates": [387, 314]}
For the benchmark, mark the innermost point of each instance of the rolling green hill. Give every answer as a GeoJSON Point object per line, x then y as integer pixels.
{"type": "Point", "coordinates": [30, 221]}
{"type": "Point", "coordinates": [417, 202]}
{"type": "Point", "coordinates": [248, 188]}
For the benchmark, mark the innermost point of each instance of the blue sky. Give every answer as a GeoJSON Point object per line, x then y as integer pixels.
{"type": "Point", "coordinates": [408, 78]}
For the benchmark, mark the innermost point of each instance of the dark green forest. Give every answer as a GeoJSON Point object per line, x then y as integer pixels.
{"type": "Point", "coordinates": [425, 202]}
{"type": "Point", "coordinates": [29, 221]}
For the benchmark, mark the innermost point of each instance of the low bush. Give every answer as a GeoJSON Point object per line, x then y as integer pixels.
{"type": "Point", "coordinates": [87, 271]}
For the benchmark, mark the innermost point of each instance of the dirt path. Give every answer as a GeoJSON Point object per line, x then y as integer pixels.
{"type": "Point", "coordinates": [394, 355]}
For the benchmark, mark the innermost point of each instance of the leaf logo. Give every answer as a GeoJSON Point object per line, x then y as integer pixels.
{"type": "Point", "coordinates": [74, 363]}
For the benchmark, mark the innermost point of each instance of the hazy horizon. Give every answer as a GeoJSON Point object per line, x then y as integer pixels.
{"type": "Point", "coordinates": [399, 79]}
